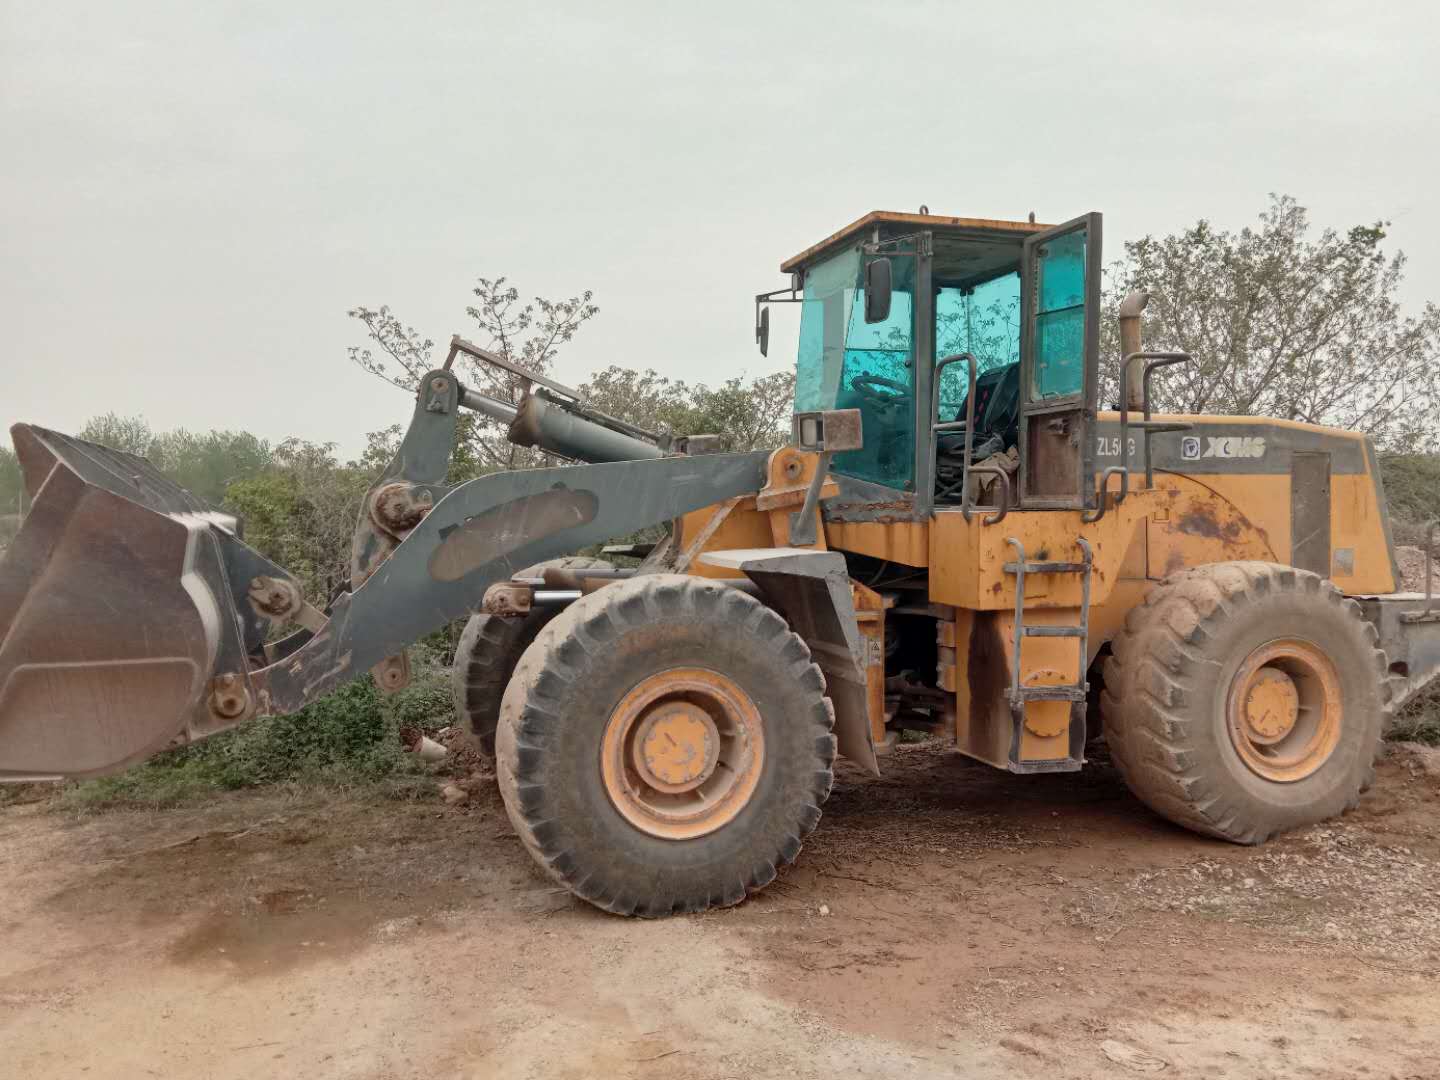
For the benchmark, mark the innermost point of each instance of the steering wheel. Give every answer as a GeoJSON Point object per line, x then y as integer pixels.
{"type": "Point", "coordinates": [872, 387]}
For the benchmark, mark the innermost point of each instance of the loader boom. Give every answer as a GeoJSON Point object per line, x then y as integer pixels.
{"type": "Point", "coordinates": [134, 618]}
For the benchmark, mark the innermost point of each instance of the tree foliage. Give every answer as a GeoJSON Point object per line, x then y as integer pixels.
{"type": "Point", "coordinates": [1284, 321]}
{"type": "Point", "coordinates": [300, 509]}
{"type": "Point", "coordinates": [202, 463]}
{"type": "Point", "coordinates": [748, 414]}
{"type": "Point", "coordinates": [529, 335]}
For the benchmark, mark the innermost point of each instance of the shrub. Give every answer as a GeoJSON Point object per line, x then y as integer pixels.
{"type": "Point", "coordinates": [349, 737]}
{"type": "Point", "coordinates": [1412, 489]}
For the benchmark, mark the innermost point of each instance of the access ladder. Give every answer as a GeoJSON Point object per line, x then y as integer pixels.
{"type": "Point", "coordinates": [1075, 693]}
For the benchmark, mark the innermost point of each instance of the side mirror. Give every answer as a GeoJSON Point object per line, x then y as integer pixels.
{"type": "Point", "coordinates": [762, 331]}
{"type": "Point", "coordinates": [877, 290]}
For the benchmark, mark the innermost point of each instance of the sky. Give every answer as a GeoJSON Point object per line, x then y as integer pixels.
{"type": "Point", "coordinates": [193, 195]}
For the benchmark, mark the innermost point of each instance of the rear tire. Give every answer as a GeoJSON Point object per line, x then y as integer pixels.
{"type": "Point", "coordinates": [489, 649]}
{"type": "Point", "coordinates": [1245, 699]}
{"type": "Point", "coordinates": [632, 658]}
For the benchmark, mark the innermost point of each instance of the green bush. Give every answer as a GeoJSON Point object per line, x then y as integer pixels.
{"type": "Point", "coordinates": [1412, 489]}
{"type": "Point", "coordinates": [349, 737]}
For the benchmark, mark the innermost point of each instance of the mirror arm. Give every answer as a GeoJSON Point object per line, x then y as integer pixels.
{"type": "Point", "coordinates": [779, 296]}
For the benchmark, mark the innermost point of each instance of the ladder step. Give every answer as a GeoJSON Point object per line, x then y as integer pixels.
{"type": "Point", "coordinates": [1047, 568]}
{"type": "Point", "coordinates": [1052, 693]}
{"type": "Point", "coordinates": [1054, 631]}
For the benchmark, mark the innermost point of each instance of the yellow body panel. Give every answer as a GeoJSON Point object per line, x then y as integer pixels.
{"type": "Point", "coordinates": [905, 542]}
{"type": "Point", "coordinates": [1186, 520]}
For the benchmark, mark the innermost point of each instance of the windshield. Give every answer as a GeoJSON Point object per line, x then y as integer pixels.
{"type": "Point", "coordinates": [846, 363]}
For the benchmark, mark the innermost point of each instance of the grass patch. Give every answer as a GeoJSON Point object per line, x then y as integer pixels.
{"type": "Point", "coordinates": [349, 739]}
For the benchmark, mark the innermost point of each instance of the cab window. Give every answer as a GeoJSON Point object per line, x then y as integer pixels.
{"type": "Point", "coordinates": [1059, 367]}
{"type": "Point", "coordinates": [846, 363]}
{"type": "Point", "coordinates": [983, 320]}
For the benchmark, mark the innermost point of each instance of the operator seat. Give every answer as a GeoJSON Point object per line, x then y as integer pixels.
{"type": "Point", "coordinates": [997, 415]}
{"type": "Point", "coordinates": [997, 428]}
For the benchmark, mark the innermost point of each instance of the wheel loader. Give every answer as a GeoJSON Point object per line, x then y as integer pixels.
{"type": "Point", "coordinates": [962, 537]}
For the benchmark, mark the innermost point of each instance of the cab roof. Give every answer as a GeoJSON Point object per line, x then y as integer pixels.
{"type": "Point", "coordinates": [891, 221]}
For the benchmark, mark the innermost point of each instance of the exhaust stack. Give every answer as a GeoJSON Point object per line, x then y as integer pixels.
{"type": "Point", "coordinates": [1131, 308]}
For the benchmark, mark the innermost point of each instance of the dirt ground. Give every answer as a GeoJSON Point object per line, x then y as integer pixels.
{"type": "Point", "coordinates": [945, 921]}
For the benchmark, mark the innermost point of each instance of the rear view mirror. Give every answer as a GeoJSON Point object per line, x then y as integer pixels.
{"type": "Point", "coordinates": [762, 331]}
{"type": "Point", "coordinates": [877, 290]}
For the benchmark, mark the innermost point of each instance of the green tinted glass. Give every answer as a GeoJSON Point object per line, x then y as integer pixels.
{"type": "Point", "coordinates": [824, 315]}
{"type": "Point", "coordinates": [879, 379]}
{"type": "Point", "coordinates": [985, 321]}
{"type": "Point", "coordinates": [1059, 369]}
{"type": "Point", "coordinates": [846, 363]}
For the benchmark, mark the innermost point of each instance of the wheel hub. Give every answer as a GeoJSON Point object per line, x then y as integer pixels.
{"type": "Point", "coordinates": [1284, 710]}
{"type": "Point", "coordinates": [677, 747]}
{"type": "Point", "coordinates": [1272, 705]}
{"type": "Point", "coordinates": [682, 753]}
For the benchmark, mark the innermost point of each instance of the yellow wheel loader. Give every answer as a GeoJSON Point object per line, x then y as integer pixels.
{"type": "Point", "coordinates": [962, 537]}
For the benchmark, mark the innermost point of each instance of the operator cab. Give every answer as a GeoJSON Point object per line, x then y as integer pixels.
{"type": "Point", "coordinates": [871, 338]}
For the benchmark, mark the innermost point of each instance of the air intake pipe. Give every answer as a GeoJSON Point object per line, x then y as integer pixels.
{"type": "Point", "coordinates": [1131, 308]}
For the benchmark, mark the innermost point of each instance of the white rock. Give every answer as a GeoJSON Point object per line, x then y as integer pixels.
{"type": "Point", "coordinates": [1131, 1057]}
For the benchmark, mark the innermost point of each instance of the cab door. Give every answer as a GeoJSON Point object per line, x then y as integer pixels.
{"type": "Point", "coordinates": [1059, 364]}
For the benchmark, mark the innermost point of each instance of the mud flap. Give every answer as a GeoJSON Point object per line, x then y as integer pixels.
{"type": "Point", "coordinates": [812, 590]}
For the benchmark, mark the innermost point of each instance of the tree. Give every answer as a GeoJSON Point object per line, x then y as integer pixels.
{"type": "Point", "coordinates": [132, 434]}
{"type": "Point", "coordinates": [754, 415]}
{"type": "Point", "coordinates": [300, 511]}
{"type": "Point", "coordinates": [12, 496]}
{"type": "Point", "coordinates": [1288, 323]}
{"type": "Point", "coordinates": [203, 464]}
{"type": "Point", "coordinates": [206, 464]}
{"type": "Point", "coordinates": [750, 415]}
{"type": "Point", "coordinates": [530, 335]}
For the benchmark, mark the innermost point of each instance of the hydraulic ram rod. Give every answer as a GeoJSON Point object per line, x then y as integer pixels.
{"type": "Point", "coordinates": [537, 422]}
{"type": "Point", "coordinates": [491, 407]}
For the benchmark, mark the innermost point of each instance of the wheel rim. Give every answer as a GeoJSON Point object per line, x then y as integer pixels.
{"type": "Point", "coordinates": [682, 753]}
{"type": "Point", "coordinates": [1284, 710]}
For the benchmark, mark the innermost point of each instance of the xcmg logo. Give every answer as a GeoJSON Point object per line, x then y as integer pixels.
{"type": "Point", "coordinates": [1222, 446]}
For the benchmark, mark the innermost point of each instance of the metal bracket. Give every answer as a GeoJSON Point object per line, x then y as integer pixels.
{"type": "Point", "coordinates": [1103, 491]}
{"type": "Point", "coordinates": [1154, 361]}
{"type": "Point", "coordinates": [1430, 611]}
{"type": "Point", "coordinates": [803, 529]}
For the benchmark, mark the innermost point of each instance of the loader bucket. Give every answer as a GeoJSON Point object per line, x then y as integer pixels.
{"type": "Point", "coordinates": [114, 611]}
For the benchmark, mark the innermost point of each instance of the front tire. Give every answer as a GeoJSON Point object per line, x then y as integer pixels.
{"type": "Point", "coordinates": [490, 647]}
{"type": "Point", "coordinates": [1245, 699]}
{"type": "Point", "coordinates": [665, 745]}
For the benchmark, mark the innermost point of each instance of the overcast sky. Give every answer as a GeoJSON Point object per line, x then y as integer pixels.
{"type": "Point", "coordinates": [192, 195]}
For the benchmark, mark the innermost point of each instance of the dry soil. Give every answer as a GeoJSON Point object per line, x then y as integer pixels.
{"type": "Point", "coordinates": [944, 921]}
